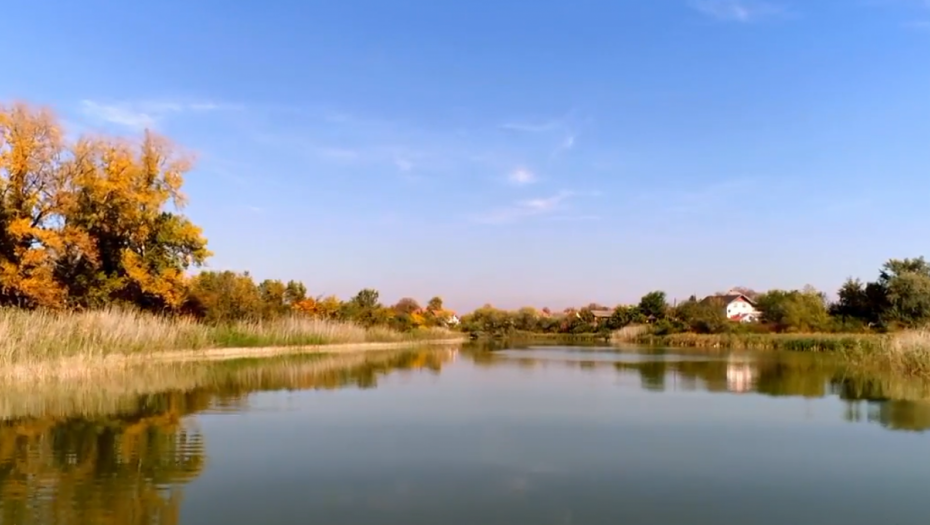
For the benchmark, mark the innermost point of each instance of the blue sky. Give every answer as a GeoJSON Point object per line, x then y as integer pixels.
{"type": "Point", "coordinates": [513, 152]}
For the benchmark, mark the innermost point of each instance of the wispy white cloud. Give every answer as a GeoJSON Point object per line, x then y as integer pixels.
{"type": "Point", "coordinates": [531, 127]}
{"type": "Point", "coordinates": [521, 177]}
{"type": "Point", "coordinates": [255, 209]}
{"type": "Point", "coordinates": [743, 11]}
{"type": "Point", "coordinates": [413, 150]}
{"type": "Point", "coordinates": [523, 209]}
{"type": "Point", "coordinates": [117, 114]}
{"type": "Point", "coordinates": [142, 115]}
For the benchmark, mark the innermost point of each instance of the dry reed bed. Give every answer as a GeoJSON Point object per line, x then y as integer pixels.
{"type": "Point", "coordinates": [39, 337]}
{"type": "Point", "coordinates": [904, 352]}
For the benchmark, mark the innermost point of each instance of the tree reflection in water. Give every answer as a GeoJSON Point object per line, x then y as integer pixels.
{"type": "Point", "coordinates": [895, 402]}
{"type": "Point", "coordinates": [129, 466]}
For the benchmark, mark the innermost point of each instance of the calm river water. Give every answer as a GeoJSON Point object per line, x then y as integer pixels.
{"type": "Point", "coordinates": [535, 436]}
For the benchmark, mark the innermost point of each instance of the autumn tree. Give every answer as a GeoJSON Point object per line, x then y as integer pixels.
{"type": "Point", "coordinates": [32, 182]}
{"type": "Point", "coordinates": [219, 297]}
{"type": "Point", "coordinates": [93, 221]}
{"type": "Point", "coordinates": [126, 198]}
{"type": "Point", "coordinates": [406, 305]}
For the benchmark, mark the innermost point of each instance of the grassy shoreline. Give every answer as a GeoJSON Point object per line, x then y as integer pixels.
{"type": "Point", "coordinates": [904, 352]}
{"type": "Point", "coordinates": [37, 342]}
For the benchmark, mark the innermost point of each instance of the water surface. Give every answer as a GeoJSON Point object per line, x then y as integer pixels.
{"type": "Point", "coordinates": [540, 435]}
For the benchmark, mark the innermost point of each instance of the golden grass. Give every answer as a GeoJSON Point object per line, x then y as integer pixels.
{"type": "Point", "coordinates": [35, 337]}
{"type": "Point", "coordinates": [629, 333]}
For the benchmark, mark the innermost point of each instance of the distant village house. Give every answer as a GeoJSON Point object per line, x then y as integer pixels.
{"type": "Point", "coordinates": [738, 307]}
{"type": "Point", "coordinates": [601, 317]}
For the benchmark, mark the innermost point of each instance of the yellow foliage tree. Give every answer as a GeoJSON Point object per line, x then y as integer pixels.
{"type": "Point", "coordinates": [31, 179]}
{"type": "Point", "coordinates": [139, 248]}
{"type": "Point", "coordinates": [93, 221]}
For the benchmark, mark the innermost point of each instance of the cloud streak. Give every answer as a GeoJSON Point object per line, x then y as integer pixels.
{"type": "Point", "coordinates": [144, 115]}
{"type": "Point", "coordinates": [521, 177]}
{"type": "Point", "coordinates": [741, 11]}
{"type": "Point", "coordinates": [531, 127]}
{"type": "Point", "coordinates": [524, 209]}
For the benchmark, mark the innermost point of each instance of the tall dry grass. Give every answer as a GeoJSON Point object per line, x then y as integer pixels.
{"type": "Point", "coordinates": [905, 352]}
{"type": "Point", "coordinates": [37, 336]}
{"type": "Point", "coordinates": [629, 333]}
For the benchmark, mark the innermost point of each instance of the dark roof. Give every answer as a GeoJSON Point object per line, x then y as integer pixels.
{"type": "Point", "coordinates": [601, 313]}
{"type": "Point", "coordinates": [729, 298]}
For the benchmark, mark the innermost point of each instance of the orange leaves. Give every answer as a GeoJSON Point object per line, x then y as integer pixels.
{"type": "Point", "coordinates": [96, 217]}
{"type": "Point", "coordinates": [30, 149]}
{"type": "Point", "coordinates": [307, 306]}
{"type": "Point", "coordinates": [418, 319]}
{"type": "Point", "coordinates": [322, 308]}
{"type": "Point", "coordinates": [20, 229]}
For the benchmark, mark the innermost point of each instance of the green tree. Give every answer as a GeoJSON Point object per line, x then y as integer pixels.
{"type": "Point", "coordinates": [703, 317]}
{"type": "Point", "coordinates": [488, 321]}
{"type": "Point", "coordinates": [654, 305]}
{"type": "Point", "coordinates": [795, 311]}
{"type": "Point", "coordinates": [624, 315]}
{"type": "Point", "coordinates": [906, 283]}
{"type": "Point", "coordinates": [274, 298]}
{"type": "Point", "coordinates": [365, 308]}
{"type": "Point", "coordinates": [526, 319]}
{"type": "Point", "coordinates": [295, 292]}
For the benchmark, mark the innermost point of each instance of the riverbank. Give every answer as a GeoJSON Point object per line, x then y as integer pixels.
{"type": "Point", "coordinates": [31, 336]}
{"type": "Point", "coordinates": [52, 346]}
{"type": "Point", "coordinates": [904, 352]}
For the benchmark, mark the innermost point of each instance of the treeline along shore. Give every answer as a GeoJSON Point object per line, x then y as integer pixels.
{"type": "Point", "coordinates": [97, 257]}
{"type": "Point", "coordinates": [882, 322]}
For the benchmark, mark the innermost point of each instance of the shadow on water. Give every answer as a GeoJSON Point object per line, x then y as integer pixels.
{"type": "Point", "coordinates": [108, 454]}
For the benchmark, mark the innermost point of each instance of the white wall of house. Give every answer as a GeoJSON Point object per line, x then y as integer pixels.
{"type": "Point", "coordinates": [739, 306]}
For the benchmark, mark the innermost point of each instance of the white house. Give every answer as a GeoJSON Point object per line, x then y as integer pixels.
{"type": "Point", "coordinates": [738, 307]}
